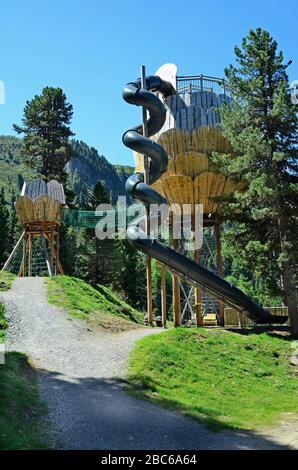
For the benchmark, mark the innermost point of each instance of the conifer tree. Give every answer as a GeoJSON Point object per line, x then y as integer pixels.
{"type": "Point", "coordinates": [96, 258]}
{"type": "Point", "coordinates": [262, 127]}
{"type": "Point", "coordinates": [46, 128]}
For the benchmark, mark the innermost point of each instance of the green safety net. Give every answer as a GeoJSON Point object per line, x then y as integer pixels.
{"type": "Point", "coordinates": [118, 217]}
{"type": "Point", "coordinates": [39, 264]}
{"type": "Point", "coordinates": [115, 218]}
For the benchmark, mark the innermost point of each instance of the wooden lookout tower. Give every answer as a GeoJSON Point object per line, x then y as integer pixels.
{"type": "Point", "coordinates": [191, 134]}
{"type": "Point", "coordinates": [39, 211]}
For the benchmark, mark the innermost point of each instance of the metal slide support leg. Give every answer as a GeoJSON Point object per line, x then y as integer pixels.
{"type": "Point", "coordinates": [163, 297]}
{"type": "Point", "coordinates": [219, 264]}
{"type": "Point", "coordinates": [176, 292]}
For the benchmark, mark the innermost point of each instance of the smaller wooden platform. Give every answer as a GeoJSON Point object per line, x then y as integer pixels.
{"type": "Point", "coordinates": [39, 211]}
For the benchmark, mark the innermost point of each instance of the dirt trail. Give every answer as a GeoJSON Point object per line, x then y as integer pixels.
{"type": "Point", "coordinates": [77, 370]}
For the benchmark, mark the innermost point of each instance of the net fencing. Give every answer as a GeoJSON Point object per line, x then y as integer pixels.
{"type": "Point", "coordinates": [116, 218]}
{"type": "Point", "coordinates": [39, 263]}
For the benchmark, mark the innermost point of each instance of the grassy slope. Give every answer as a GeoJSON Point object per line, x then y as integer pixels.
{"type": "Point", "coordinates": [220, 378]}
{"type": "Point", "coordinates": [21, 411]}
{"type": "Point", "coordinates": [5, 284]}
{"type": "Point", "coordinates": [98, 306]}
{"type": "Point", "coordinates": [6, 280]}
{"type": "Point", "coordinates": [3, 323]}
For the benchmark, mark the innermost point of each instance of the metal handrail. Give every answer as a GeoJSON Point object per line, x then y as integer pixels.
{"type": "Point", "coordinates": [196, 83]}
{"type": "Point", "coordinates": [199, 77]}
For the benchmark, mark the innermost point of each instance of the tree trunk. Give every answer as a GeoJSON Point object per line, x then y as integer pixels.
{"type": "Point", "coordinates": [288, 279]}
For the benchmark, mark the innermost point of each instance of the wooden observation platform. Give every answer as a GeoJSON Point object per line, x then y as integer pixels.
{"type": "Point", "coordinates": [39, 211]}
{"type": "Point", "coordinates": [190, 135]}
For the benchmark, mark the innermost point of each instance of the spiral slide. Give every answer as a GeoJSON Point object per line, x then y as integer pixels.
{"type": "Point", "coordinates": [135, 186]}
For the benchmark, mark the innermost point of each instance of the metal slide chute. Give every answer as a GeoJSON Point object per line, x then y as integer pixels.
{"type": "Point", "coordinates": [185, 267]}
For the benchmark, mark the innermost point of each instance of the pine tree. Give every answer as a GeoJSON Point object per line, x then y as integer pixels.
{"type": "Point", "coordinates": [131, 272]}
{"type": "Point", "coordinates": [97, 259]}
{"type": "Point", "coordinates": [46, 121]}
{"type": "Point", "coordinates": [262, 128]}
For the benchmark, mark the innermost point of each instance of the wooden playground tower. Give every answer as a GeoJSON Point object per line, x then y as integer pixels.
{"type": "Point", "coordinates": [39, 211]}
{"type": "Point", "coordinates": [191, 133]}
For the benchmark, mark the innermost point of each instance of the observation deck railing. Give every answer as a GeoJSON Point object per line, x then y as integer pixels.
{"type": "Point", "coordinates": [201, 83]}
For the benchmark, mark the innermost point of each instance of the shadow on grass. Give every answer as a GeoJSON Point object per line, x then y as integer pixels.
{"type": "Point", "coordinates": [203, 415]}
{"type": "Point", "coordinates": [280, 332]}
{"type": "Point", "coordinates": [91, 413]}
{"type": "Point", "coordinates": [22, 415]}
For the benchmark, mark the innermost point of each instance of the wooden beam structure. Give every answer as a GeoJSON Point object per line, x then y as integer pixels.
{"type": "Point", "coordinates": [49, 235]}
{"type": "Point", "coordinates": [44, 246]}
{"type": "Point", "coordinates": [23, 270]}
{"type": "Point", "coordinates": [163, 297]}
{"type": "Point", "coordinates": [30, 236]}
{"type": "Point", "coordinates": [146, 181]}
{"type": "Point", "coordinates": [190, 135]}
{"type": "Point", "coordinates": [198, 295]}
{"type": "Point", "coordinates": [176, 291]}
{"type": "Point", "coordinates": [39, 211]}
{"type": "Point", "coordinates": [219, 263]}
{"type": "Point", "coordinates": [198, 291]}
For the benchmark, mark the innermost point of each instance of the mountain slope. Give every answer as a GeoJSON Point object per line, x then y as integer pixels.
{"type": "Point", "coordinates": [12, 171]}
{"type": "Point", "coordinates": [85, 169]}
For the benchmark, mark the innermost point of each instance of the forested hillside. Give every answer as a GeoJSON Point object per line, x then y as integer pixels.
{"type": "Point", "coordinates": [110, 262]}
{"type": "Point", "coordinates": [85, 169]}
{"type": "Point", "coordinates": [12, 170]}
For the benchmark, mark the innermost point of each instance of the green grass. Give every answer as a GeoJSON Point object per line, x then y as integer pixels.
{"type": "Point", "coordinates": [99, 307]}
{"type": "Point", "coordinates": [21, 412]}
{"type": "Point", "coordinates": [6, 280]}
{"type": "Point", "coordinates": [221, 378]}
{"type": "Point", "coordinates": [3, 323]}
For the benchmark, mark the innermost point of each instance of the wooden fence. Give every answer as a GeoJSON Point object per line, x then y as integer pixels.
{"type": "Point", "coordinates": [234, 318]}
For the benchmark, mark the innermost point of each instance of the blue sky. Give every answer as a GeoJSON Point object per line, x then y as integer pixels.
{"type": "Point", "coordinates": [91, 48]}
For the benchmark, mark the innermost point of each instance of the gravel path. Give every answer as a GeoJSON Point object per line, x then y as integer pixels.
{"type": "Point", "coordinates": [77, 368]}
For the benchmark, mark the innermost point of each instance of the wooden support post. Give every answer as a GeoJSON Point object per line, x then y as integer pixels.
{"type": "Point", "coordinates": [57, 253]}
{"type": "Point", "coordinates": [219, 263]}
{"type": "Point", "coordinates": [44, 245]}
{"type": "Point", "coordinates": [146, 181]}
{"type": "Point", "coordinates": [30, 254]}
{"type": "Point", "coordinates": [59, 266]}
{"type": "Point", "coordinates": [52, 249]}
{"type": "Point", "coordinates": [198, 290]}
{"type": "Point", "coordinates": [163, 297]}
{"type": "Point", "coordinates": [149, 290]}
{"type": "Point", "coordinates": [198, 295]}
{"type": "Point", "coordinates": [23, 271]}
{"type": "Point", "coordinates": [176, 292]}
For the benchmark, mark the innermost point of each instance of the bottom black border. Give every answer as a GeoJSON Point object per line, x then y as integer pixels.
{"type": "Point", "coordinates": [137, 458]}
